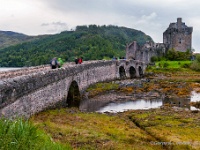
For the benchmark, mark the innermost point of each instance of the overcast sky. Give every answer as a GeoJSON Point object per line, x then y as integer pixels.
{"type": "Point", "coordinates": [36, 17]}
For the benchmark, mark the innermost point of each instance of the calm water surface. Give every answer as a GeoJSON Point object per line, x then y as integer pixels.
{"type": "Point", "coordinates": [131, 105]}
{"type": "Point", "coordinates": [121, 106]}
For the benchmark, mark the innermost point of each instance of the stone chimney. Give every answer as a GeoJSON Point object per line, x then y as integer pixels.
{"type": "Point", "coordinates": [179, 23]}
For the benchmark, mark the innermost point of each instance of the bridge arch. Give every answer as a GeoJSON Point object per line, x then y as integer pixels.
{"type": "Point", "coordinates": [73, 97]}
{"type": "Point", "coordinates": [132, 72]}
{"type": "Point", "coordinates": [122, 72]}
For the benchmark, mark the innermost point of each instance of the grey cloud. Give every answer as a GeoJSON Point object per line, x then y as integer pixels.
{"type": "Point", "coordinates": [55, 27]}
{"type": "Point", "coordinates": [59, 24]}
{"type": "Point", "coordinates": [45, 24]}
{"type": "Point", "coordinates": [54, 24]}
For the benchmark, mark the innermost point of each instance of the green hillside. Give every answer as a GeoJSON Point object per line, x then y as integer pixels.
{"type": "Point", "coordinates": [9, 38]}
{"type": "Point", "coordinates": [91, 42]}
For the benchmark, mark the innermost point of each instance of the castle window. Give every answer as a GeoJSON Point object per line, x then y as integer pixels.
{"type": "Point", "coordinates": [180, 41]}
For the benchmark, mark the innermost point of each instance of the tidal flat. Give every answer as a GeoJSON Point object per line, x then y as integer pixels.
{"type": "Point", "coordinates": [168, 127]}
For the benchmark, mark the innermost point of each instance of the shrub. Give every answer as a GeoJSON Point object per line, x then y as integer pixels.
{"type": "Point", "coordinates": [154, 59]}
{"type": "Point", "coordinates": [198, 58]}
{"type": "Point", "coordinates": [165, 65]}
{"type": "Point", "coordinates": [160, 65]}
{"type": "Point", "coordinates": [195, 65]}
{"type": "Point", "coordinates": [172, 55]}
{"type": "Point", "coordinates": [185, 65]}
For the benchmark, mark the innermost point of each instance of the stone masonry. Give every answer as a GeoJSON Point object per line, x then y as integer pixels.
{"type": "Point", "coordinates": [145, 52]}
{"type": "Point", "coordinates": [30, 93]}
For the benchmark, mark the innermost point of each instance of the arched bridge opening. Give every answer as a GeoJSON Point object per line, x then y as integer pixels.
{"type": "Point", "coordinates": [132, 72]}
{"type": "Point", "coordinates": [122, 72]}
{"type": "Point", "coordinates": [74, 97]}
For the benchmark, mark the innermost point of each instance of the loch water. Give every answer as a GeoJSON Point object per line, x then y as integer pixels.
{"type": "Point", "coordinates": [103, 106]}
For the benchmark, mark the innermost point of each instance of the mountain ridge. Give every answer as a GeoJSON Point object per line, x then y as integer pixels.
{"type": "Point", "coordinates": [90, 42]}
{"type": "Point", "coordinates": [10, 38]}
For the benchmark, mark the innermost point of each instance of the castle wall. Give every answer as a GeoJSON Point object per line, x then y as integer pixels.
{"type": "Point", "coordinates": [132, 51]}
{"type": "Point", "coordinates": [145, 52]}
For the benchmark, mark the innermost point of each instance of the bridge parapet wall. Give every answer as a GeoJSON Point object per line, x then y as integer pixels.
{"type": "Point", "coordinates": [29, 94]}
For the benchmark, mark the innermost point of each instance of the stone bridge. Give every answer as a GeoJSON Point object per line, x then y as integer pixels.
{"type": "Point", "coordinates": [25, 92]}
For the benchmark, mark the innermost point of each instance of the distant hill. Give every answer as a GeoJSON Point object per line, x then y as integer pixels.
{"type": "Point", "coordinates": [91, 42]}
{"type": "Point", "coordinates": [9, 38]}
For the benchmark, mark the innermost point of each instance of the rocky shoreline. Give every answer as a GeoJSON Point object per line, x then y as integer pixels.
{"type": "Point", "coordinates": [172, 93]}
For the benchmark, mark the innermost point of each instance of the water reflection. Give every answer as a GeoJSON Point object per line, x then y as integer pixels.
{"type": "Point", "coordinates": [195, 97]}
{"type": "Point", "coordinates": [178, 102]}
{"type": "Point", "coordinates": [131, 105]}
{"type": "Point", "coordinates": [125, 104]}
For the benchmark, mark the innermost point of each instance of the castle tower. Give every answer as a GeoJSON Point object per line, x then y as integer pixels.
{"type": "Point", "coordinates": [178, 36]}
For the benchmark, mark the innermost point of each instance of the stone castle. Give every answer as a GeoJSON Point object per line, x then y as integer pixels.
{"type": "Point", "coordinates": [178, 36]}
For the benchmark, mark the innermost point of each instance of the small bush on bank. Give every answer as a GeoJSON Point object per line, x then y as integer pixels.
{"type": "Point", "coordinates": [196, 64]}
{"type": "Point", "coordinates": [165, 65]}
{"type": "Point", "coordinates": [174, 55]}
{"type": "Point", "coordinates": [185, 65]}
{"type": "Point", "coordinates": [154, 59]}
{"type": "Point", "coordinates": [22, 135]}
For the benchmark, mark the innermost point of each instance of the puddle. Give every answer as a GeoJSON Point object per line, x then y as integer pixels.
{"type": "Point", "coordinates": [195, 97]}
{"type": "Point", "coordinates": [103, 106]}
{"type": "Point", "coordinates": [131, 105]}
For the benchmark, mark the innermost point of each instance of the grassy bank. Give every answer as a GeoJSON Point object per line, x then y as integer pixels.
{"type": "Point", "coordinates": [172, 64]}
{"type": "Point", "coordinates": [179, 129]}
{"type": "Point", "coordinates": [155, 129]}
{"type": "Point", "coordinates": [21, 135]}
{"type": "Point", "coordinates": [93, 131]}
{"type": "Point", "coordinates": [174, 71]}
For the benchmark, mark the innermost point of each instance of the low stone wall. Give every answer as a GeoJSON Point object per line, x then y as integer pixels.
{"type": "Point", "coordinates": [29, 94]}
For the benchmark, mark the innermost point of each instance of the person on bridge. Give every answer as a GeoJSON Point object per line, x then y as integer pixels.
{"type": "Point", "coordinates": [60, 62]}
{"type": "Point", "coordinates": [76, 60]}
{"type": "Point", "coordinates": [80, 60]}
{"type": "Point", "coordinates": [54, 63]}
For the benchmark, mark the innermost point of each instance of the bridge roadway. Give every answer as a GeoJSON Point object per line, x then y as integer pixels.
{"type": "Point", "coordinates": [27, 91]}
{"type": "Point", "coordinates": [29, 70]}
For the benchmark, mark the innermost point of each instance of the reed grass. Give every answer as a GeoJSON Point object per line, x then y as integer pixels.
{"type": "Point", "coordinates": [20, 134]}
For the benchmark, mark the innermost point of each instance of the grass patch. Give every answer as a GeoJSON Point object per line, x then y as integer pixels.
{"type": "Point", "coordinates": [174, 71]}
{"type": "Point", "coordinates": [98, 88]}
{"type": "Point", "coordinates": [22, 135]}
{"type": "Point", "coordinates": [93, 130]}
{"type": "Point", "coordinates": [181, 128]}
{"type": "Point", "coordinates": [138, 129]}
{"type": "Point", "coordinates": [170, 67]}
{"type": "Point", "coordinates": [172, 64]}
